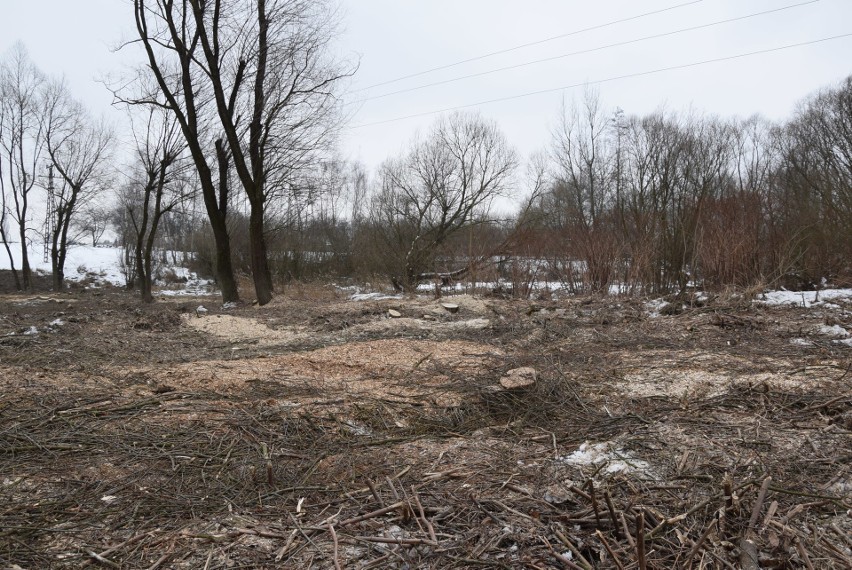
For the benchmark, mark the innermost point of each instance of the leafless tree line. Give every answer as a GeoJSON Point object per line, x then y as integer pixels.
{"type": "Point", "coordinates": [234, 116]}
{"type": "Point", "coordinates": [49, 145]}
{"type": "Point", "coordinates": [254, 92]}
{"type": "Point", "coordinates": [647, 204]}
{"type": "Point", "coordinates": [666, 201]}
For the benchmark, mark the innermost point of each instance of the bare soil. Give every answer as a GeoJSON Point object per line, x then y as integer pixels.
{"type": "Point", "coordinates": [320, 432]}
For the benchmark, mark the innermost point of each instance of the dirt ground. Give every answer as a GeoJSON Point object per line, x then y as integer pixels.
{"type": "Point", "coordinates": [321, 432]}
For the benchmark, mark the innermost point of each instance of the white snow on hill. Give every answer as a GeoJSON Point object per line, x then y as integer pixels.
{"type": "Point", "coordinates": [100, 266]}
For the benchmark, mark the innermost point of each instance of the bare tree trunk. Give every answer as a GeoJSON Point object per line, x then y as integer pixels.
{"type": "Point", "coordinates": [259, 259]}
{"type": "Point", "coordinates": [26, 272]}
{"type": "Point", "coordinates": [12, 264]}
{"type": "Point", "coordinates": [58, 269]}
{"type": "Point", "coordinates": [217, 215]}
{"type": "Point", "coordinates": [224, 265]}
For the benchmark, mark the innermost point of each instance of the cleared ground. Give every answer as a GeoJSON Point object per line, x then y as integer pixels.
{"type": "Point", "coordinates": [321, 432]}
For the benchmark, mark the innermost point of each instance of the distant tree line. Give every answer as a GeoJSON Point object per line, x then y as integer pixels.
{"type": "Point", "coordinates": [53, 154]}
{"type": "Point", "coordinates": [666, 201]}
{"type": "Point", "coordinates": [232, 168]}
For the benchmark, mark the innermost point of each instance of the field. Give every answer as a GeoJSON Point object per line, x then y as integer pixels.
{"type": "Point", "coordinates": [322, 432]}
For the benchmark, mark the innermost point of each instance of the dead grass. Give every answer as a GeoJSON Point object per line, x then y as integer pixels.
{"type": "Point", "coordinates": [133, 437]}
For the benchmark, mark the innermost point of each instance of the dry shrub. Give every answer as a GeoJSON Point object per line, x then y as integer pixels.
{"type": "Point", "coordinates": [311, 291]}
{"type": "Point", "coordinates": [728, 251]}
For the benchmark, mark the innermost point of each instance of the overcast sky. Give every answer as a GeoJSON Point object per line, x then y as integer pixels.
{"type": "Point", "coordinates": [394, 38]}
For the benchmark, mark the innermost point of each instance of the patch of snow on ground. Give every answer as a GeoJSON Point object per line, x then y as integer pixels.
{"type": "Point", "coordinates": [616, 460]}
{"type": "Point", "coordinates": [835, 331]}
{"type": "Point", "coordinates": [805, 298]}
{"type": "Point", "coordinates": [801, 342]}
{"type": "Point", "coordinates": [194, 287]}
{"type": "Point", "coordinates": [373, 297]}
{"type": "Point", "coordinates": [101, 265]}
{"type": "Point", "coordinates": [654, 307]}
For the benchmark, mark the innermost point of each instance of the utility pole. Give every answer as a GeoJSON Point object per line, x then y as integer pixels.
{"type": "Point", "coordinates": [50, 209]}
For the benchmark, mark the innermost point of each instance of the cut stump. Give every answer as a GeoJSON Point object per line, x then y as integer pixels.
{"type": "Point", "coordinates": [519, 378]}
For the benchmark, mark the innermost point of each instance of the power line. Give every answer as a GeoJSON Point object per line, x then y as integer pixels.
{"type": "Point", "coordinates": [607, 80]}
{"type": "Point", "coordinates": [530, 44]}
{"type": "Point", "coordinates": [590, 50]}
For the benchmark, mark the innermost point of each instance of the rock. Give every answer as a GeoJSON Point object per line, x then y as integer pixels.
{"type": "Point", "coordinates": [394, 314]}
{"type": "Point", "coordinates": [451, 307]}
{"type": "Point", "coordinates": [519, 378]}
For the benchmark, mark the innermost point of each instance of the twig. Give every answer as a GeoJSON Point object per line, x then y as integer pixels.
{"type": "Point", "coordinates": [594, 502]}
{"type": "Point", "coordinates": [373, 514]}
{"type": "Point", "coordinates": [697, 546]}
{"type": "Point", "coordinates": [611, 508]}
{"type": "Point", "coordinates": [758, 505]}
{"type": "Point", "coordinates": [640, 541]}
{"type": "Point", "coordinates": [627, 532]}
{"type": "Point", "coordinates": [564, 540]}
{"type": "Point", "coordinates": [561, 558]}
{"type": "Point", "coordinates": [101, 560]}
{"type": "Point", "coordinates": [375, 493]}
{"type": "Point", "coordinates": [335, 555]}
{"type": "Point", "coordinates": [426, 521]}
{"type": "Point", "coordinates": [394, 540]}
{"type": "Point", "coordinates": [160, 561]}
{"type": "Point", "coordinates": [286, 546]}
{"type": "Point", "coordinates": [209, 559]}
{"type": "Point", "coordinates": [803, 554]}
{"type": "Point", "coordinates": [127, 542]}
{"type": "Point", "coordinates": [612, 554]}
{"type": "Point", "coordinates": [770, 512]}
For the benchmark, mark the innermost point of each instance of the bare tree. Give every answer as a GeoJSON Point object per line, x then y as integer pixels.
{"type": "Point", "coordinates": [265, 65]}
{"type": "Point", "coordinates": [445, 183]}
{"type": "Point", "coordinates": [159, 185]}
{"type": "Point", "coordinates": [5, 230]}
{"type": "Point", "coordinates": [79, 148]}
{"type": "Point", "coordinates": [179, 86]}
{"type": "Point", "coordinates": [21, 140]}
{"type": "Point", "coordinates": [817, 171]}
{"type": "Point", "coordinates": [93, 221]}
{"type": "Point", "coordinates": [584, 158]}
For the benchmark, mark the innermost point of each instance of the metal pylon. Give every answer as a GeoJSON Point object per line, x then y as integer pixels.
{"type": "Point", "coordinates": [50, 210]}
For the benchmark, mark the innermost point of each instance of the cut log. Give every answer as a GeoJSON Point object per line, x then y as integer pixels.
{"type": "Point", "coordinates": [394, 314]}
{"type": "Point", "coordinates": [451, 307]}
{"type": "Point", "coordinates": [519, 378]}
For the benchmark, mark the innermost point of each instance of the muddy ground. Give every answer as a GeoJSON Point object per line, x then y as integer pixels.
{"type": "Point", "coordinates": [320, 432]}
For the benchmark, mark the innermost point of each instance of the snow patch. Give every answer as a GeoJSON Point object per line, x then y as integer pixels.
{"type": "Point", "coordinates": [654, 307]}
{"type": "Point", "coordinates": [615, 460]}
{"type": "Point", "coordinates": [373, 297]}
{"type": "Point", "coordinates": [835, 331]}
{"type": "Point", "coordinates": [100, 266]}
{"type": "Point", "coordinates": [805, 298]}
